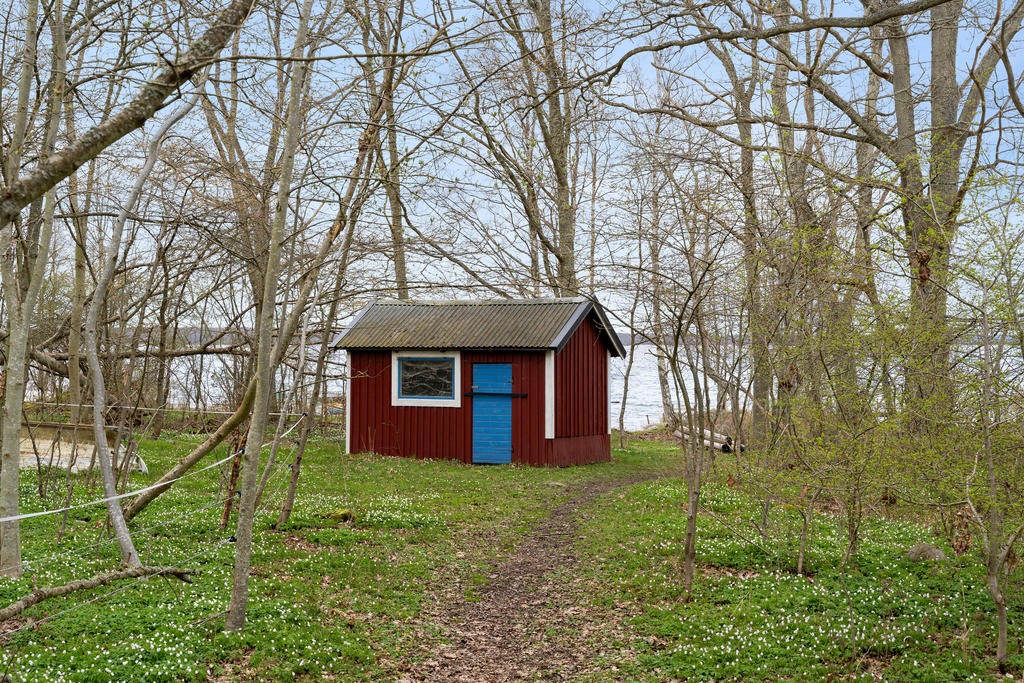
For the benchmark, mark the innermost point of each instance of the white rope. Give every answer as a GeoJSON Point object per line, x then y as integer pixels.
{"type": "Point", "coordinates": [157, 485]}
{"type": "Point", "coordinates": [37, 563]}
{"type": "Point", "coordinates": [100, 501]}
{"type": "Point", "coordinates": [32, 624]}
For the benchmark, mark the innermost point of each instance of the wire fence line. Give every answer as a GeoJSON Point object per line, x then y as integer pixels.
{"type": "Point", "coordinates": [129, 494]}
{"type": "Point", "coordinates": [100, 501]}
{"type": "Point", "coordinates": [38, 563]}
{"type": "Point", "coordinates": [150, 410]}
{"type": "Point", "coordinates": [44, 561]}
{"type": "Point", "coordinates": [10, 657]}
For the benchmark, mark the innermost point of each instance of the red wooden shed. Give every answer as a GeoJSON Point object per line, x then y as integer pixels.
{"type": "Point", "coordinates": [508, 381]}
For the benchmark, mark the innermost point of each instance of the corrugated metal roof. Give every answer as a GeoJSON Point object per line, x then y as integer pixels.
{"type": "Point", "coordinates": [499, 324]}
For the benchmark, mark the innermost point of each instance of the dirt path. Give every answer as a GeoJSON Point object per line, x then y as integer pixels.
{"type": "Point", "coordinates": [507, 634]}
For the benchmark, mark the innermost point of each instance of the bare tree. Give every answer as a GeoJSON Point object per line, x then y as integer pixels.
{"type": "Point", "coordinates": [264, 350]}
{"type": "Point", "coordinates": [23, 269]}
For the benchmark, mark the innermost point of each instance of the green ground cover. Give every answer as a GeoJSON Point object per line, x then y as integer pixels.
{"type": "Point", "coordinates": [340, 600]}
{"type": "Point", "coordinates": [753, 618]}
{"type": "Point", "coordinates": [327, 599]}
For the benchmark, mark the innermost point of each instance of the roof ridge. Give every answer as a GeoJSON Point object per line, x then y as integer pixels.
{"type": "Point", "coordinates": [483, 302]}
{"type": "Point", "coordinates": [473, 324]}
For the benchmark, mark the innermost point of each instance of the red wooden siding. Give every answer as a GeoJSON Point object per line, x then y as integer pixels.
{"type": "Point", "coordinates": [381, 428]}
{"type": "Point", "coordinates": [443, 432]}
{"type": "Point", "coordinates": [581, 385]}
{"type": "Point", "coordinates": [579, 450]}
{"type": "Point", "coordinates": [581, 413]}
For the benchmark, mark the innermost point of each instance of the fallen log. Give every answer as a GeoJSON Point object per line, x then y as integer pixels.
{"type": "Point", "coordinates": [708, 435]}
{"type": "Point", "coordinates": [703, 442]}
{"type": "Point", "coordinates": [711, 440]}
{"type": "Point", "coordinates": [40, 594]}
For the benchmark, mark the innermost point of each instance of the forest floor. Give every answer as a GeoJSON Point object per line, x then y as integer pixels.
{"type": "Point", "coordinates": [405, 570]}
{"type": "Point", "coordinates": [497, 632]}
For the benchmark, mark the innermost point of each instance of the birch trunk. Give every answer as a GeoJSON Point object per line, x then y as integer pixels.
{"type": "Point", "coordinates": [349, 208]}
{"type": "Point", "coordinates": [152, 97]}
{"type": "Point", "coordinates": [21, 281]}
{"type": "Point", "coordinates": [314, 395]}
{"type": "Point", "coordinates": [392, 185]}
{"type": "Point", "coordinates": [117, 521]}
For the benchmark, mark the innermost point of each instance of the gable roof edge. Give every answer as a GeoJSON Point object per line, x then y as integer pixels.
{"type": "Point", "coordinates": [609, 331]}
{"type": "Point", "coordinates": [362, 311]}
{"type": "Point", "coordinates": [382, 323]}
{"type": "Point", "coordinates": [604, 328]}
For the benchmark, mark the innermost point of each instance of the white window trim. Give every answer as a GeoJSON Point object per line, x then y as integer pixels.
{"type": "Point", "coordinates": [453, 402]}
{"type": "Point", "coordinates": [549, 395]}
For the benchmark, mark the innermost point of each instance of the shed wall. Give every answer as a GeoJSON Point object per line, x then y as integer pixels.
{"type": "Point", "coordinates": [442, 432]}
{"type": "Point", "coordinates": [581, 385]}
{"type": "Point", "coordinates": [581, 412]}
{"type": "Point", "coordinates": [579, 450]}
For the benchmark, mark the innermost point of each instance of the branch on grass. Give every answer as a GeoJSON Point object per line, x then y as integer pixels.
{"type": "Point", "coordinates": [40, 594]}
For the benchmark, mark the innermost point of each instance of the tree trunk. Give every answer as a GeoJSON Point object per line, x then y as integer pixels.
{"type": "Point", "coordinates": [995, 521]}
{"type": "Point", "coordinates": [392, 187]}
{"type": "Point", "coordinates": [311, 406]}
{"type": "Point", "coordinates": [759, 335]}
{"type": "Point", "coordinates": [264, 359]}
{"type": "Point", "coordinates": [993, 582]}
{"type": "Point", "coordinates": [14, 396]}
{"type": "Point", "coordinates": [21, 290]}
{"type": "Point", "coordinates": [163, 369]}
{"type": "Point", "coordinates": [655, 241]}
{"type": "Point", "coordinates": [237, 447]}
{"type": "Point", "coordinates": [350, 206]}
{"type": "Point", "coordinates": [99, 296]}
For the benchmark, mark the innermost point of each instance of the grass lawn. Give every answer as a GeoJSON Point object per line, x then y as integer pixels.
{"type": "Point", "coordinates": [342, 600]}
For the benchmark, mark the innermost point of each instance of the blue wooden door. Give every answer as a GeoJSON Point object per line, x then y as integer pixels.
{"type": "Point", "coordinates": [492, 413]}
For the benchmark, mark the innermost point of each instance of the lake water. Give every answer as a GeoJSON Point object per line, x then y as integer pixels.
{"type": "Point", "coordinates": [643, 403]}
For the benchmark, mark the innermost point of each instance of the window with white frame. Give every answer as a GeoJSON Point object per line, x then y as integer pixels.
{"type": "Point", "coordinates": [426, 378]}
